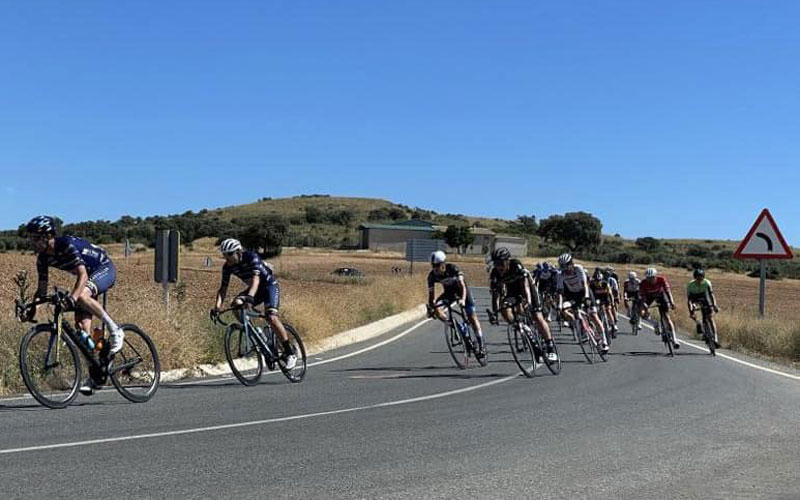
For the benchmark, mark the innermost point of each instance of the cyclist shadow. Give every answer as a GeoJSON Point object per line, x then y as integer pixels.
{"type": "Point", "coordinates": [655, 354]}
{"type": "Point", "coordinates": [37, 407]}
{"type": "Point", "coordinates": [418, 372]}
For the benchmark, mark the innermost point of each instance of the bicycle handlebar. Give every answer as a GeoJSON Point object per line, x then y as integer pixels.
{"type": "Point", "coordinates": [253, 313]}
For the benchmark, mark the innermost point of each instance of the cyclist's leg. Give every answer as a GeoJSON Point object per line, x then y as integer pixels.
{"type": "Point", "coordinates": [538, 318]}
{"type": "Point", "coordinates": [663, 309]}
{"type": "Point", "coordinates": [271, 297]}
{"type": "Point", "coordinates": [99, 282]}
{"type": "Point", "coordinates": [440, 311]}
{"type": "Point", "coordinates": [472, 315]}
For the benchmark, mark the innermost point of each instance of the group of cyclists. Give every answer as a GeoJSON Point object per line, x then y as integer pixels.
{"type": "Point", "coordinates": [515, 289]}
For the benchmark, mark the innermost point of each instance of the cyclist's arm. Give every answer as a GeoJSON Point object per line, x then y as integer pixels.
{"type": "Point", "coordinates": [42, 270]}
{"type": "Point", "coordinates": [251, 291]}
{"type": "Point", "coordinates": [223, 289]}
{"type": "Point", "coordinates": [711, 295]}
{"type": "Point", "coordinates": [80, 282]}
{"type": "Point", "coordinates": [528, 291]}
{"type": "Point", "coordinates": [463, 288]}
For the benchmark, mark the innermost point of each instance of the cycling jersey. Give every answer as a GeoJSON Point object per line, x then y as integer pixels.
{"type": "Point", "coordinates": [631, 288]}
{"type": "Point", "coordinates": [600, 288]}
{"type": "Point", "coordinates": [699, 292]}
{"type": "Point", "coordinates": [649, 288]}
{"type": "Point", "coordinates": [72, 252]}
{"type": "Point", "coordinates": [450, 280]}
{"type": "Point", "coordinates": [249, 266]}
{"type": "Point", "coordinates": [573, 281]}
{"type": "Point", "coordinates": [546, 279]}
{"type": "Point", "coordinates": [612, 282]}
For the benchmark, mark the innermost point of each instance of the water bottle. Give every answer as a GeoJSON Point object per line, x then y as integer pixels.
{"type": "Point", "coordinates": [86, 340]}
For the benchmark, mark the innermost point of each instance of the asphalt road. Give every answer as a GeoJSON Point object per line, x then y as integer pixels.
{"type": "Point", "coordinates": [400, 421]}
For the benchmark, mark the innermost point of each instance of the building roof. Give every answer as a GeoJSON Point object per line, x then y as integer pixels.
{"type": "Point", "coordinates": [482, 230]}
{"type": "Point", "coordinates": [510, 239]}
{"type": "Point", "coordinates": [394, 227]}
{"type": "Point", "coordinates": [414, 222]}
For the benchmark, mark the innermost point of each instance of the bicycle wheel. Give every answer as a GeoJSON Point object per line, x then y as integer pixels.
{"type": "Point", "coordinates": [526, 358]}
{"type": "Point", "coordinates": [597, 339]}
{"type": "Point", "coordinates": [553, 366]}
{"type": "Point", "coordinates": [583, 341]}
{"type": "Point", "coordinates": [297, 373]}
{"type": "Point", "coordinates": [666, 337]}
{"type": "Point", "coordinates": [708, 334]}
{"type": "Point", "coordinates": [243, 355]}
{"type": "Point", "coordinates": [458, 351]}
{"type": "Point", "coordinates": [52, 380]}
{"type": "Point", "coordinates": [135, 370]}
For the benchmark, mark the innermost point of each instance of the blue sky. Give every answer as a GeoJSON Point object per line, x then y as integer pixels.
{"type": "Point", "coordinates": [671, 119]}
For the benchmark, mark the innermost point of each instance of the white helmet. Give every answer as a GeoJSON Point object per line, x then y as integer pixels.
{"type": "Point", "coordinates": [438, 257]}
{"type": "Point", "coordinates": [650, 272]}
{"type": "Point", "coordinates": [565, 260]}
{"type": "Point", "coordinates": [632, 275]}
{"type": "Point", "coordinates": [229, 246]}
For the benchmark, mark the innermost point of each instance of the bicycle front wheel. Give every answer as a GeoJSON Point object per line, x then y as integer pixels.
{"type": "Point", "coordinates": [296, 373]}
{"type": "Point", "coordinates": [455, 344]}
{"type": "Point", "coordinates": [243, 355]}
{"type": "Point", "coordinates": [666, 337]}
{"type": "Point", "coordinates": [50, 367]}
{"type": "Point", "coordinates": [583, 342]}
{"type": "Point", "coordinates": [708, 333]}
{"type": "Point", "coordinates": [526, 356]}
{"type": "Point", "coordinates": [135, 370]}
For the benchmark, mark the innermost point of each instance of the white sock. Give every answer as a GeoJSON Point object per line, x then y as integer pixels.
{"type": "Point", "coordinates": [109, 322]}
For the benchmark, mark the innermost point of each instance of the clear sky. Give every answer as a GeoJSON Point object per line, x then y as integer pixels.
{"type": "Point", "coordinates": [663, 118]}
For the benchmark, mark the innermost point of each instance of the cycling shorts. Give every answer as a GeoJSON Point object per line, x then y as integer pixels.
{"type": "Point", "coordinates": [661, 298]}
{"type": "Point", "coordinates": [520, 298]}
{"type": "Point", "coordinates": [603, 300]}
{"type": "Point", "coordinates": [700, 300]}
{"type": "Point", "coordinates": [578, 297]}
{"type": "Point", "coordinates": [102, 279]}
{"type": "Point", "coordinates": [269, 294]}
{"type": "Point", "coordinates": [469, 304]}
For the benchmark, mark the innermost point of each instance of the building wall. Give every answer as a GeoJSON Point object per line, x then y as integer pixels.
{"type": "Point", "coordinates": [390, 239]}
{"type": "Point", "coordinates": [517, 246]}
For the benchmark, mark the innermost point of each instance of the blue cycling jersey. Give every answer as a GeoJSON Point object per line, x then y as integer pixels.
{"type": "Point", "coordinates": [249, 266]}
{"type": "Point", "coordinates": [71, 252]}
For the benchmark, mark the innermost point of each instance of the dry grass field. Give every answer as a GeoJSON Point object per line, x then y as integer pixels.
{"type": "Point", "coordinates": [320, 304]}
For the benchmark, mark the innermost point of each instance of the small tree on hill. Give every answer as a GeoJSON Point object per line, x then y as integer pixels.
{"type": "Point", "coordinates": [574, 230]}
{"type": "Point", "coordinates": [648, 244]}
{"type": "Point", "coordinates": [458, 237]}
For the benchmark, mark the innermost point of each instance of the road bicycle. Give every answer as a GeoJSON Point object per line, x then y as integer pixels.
{"type": "Point", "coordinates": [249, 347]}
{"type": "Point", "coordinates": [50, 358]}
{"type": "Point", "coordinates": [635, 320]}
{"type": "Point", "coordinates": [462, 342]}
{"type": "Point", "coordinates": [585, 335]}
{"type": "Point", "coordinates": [605, 321]}
{"type": "Point", "coordinates": [663, 329]}
{"type": "Point", "coordinates": [527, 343]}
{"type": "Point", "coordinates": [706, 327]}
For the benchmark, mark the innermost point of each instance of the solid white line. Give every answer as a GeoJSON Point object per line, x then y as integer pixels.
{"type": "Point", "coordinates": [258, 422]}
{"type": "Point", "coordinates": [725, 356]}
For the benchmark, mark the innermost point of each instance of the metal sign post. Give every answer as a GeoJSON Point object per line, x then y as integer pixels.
{"type": "Point", "coordinates": [167, 268]}
{"type": "Point", "coordinates": [763, 241]}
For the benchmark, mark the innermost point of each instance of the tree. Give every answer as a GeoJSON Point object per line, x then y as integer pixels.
{"type": "Point", "coordinates": [458, 237]}
{"type": "Point", "coordinates": [266, 235]}
{"type": "Point", "coordinates": [574, 230]}
{"type": "Point", "coordinates": [648, 244]}
{"type": "Point", "coordinates": [526, 224]}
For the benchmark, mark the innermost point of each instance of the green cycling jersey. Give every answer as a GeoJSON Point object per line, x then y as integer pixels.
{"type": "Point", "coordinates": [700, 290]}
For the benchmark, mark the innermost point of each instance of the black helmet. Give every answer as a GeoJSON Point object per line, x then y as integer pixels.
{"type": "Point", "coordinates": [699, 274]}
{"type": "Point", "coordinates": [501, 254]}
{"type": "Point", "coordinates": [598, 274]}
{"type": "Point", "coordinates": [41, 224]}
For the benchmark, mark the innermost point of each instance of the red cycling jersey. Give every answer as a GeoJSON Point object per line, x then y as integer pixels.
{"type": "Point", "coordinates": [657, 287]}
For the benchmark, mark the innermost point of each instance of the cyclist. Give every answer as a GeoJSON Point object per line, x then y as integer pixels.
{"type": "Point", "coordinates": [603, 295]}
{"type": "Point", "coordinates": [546, 277]}
{"type": "Point", "coordinates": [656, 288]}
{"type": "Point", "coordinates": [630, 295]}
{"type": "Point", "coordinates": [700, 294]}
{"type": "Point", "coordinates": [573, 286]}
{"type": "Point", "coordinates": [520, 293]}
{"type": "Point", "coordinates": [262, 287]}
{"type": "Point", "coordinates": [455, 290]}
{"type": "Point", "coordinates": [613, 282]}
{"type": "Point", "coordinates": [495, 288]}
{"type": "Point", "coordinates": [94, 274]}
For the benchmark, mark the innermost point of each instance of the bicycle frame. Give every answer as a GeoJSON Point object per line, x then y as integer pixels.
{"type": "Point", "coordinates": [265, 343]}
{"type": "Point", "coordinates": [451, 318]}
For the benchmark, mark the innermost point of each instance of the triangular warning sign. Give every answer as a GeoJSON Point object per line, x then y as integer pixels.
{"type": "Point", "coordinates": [764, 241]}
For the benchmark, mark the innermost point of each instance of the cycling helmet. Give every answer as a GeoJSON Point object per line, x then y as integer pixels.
{"type": "Point", "coordinates": [650, 272]}
{"type": "Point", "coordinates": [699, 274]}
{"type": "Point", "coordinates": [598, 274]}
{"type": "Point", "coordinates": [501, 254]}
{"type": "Point", "coordinates": [438, 257]}
{"type": "Point", "coordinates": [229, 246]}
{"type": "Point", "coordinates": [538, 266]}
{"type": "Point", "coordinates": [545, 265]}
{"type": "Point", "coordinates": [564, 260]}
{"type": "Point", "coordinates": [632, 275]}
{"type": "Point", "coordinates": [42, 224]}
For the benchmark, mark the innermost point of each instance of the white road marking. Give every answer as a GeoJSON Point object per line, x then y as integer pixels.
{"type": "Point", "coordinates": [725, 356]}
{"type": "Point", "coordinates": [331, 360]}
{"type": "Point", "coordinates": [212, 428]}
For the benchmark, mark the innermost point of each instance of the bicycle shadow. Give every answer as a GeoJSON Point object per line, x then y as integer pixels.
{"type": "Point", "coordinates": [34, 406]}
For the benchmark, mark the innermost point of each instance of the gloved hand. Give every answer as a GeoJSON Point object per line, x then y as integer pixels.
{"type": "Point", "coordinates": [68, 303]}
